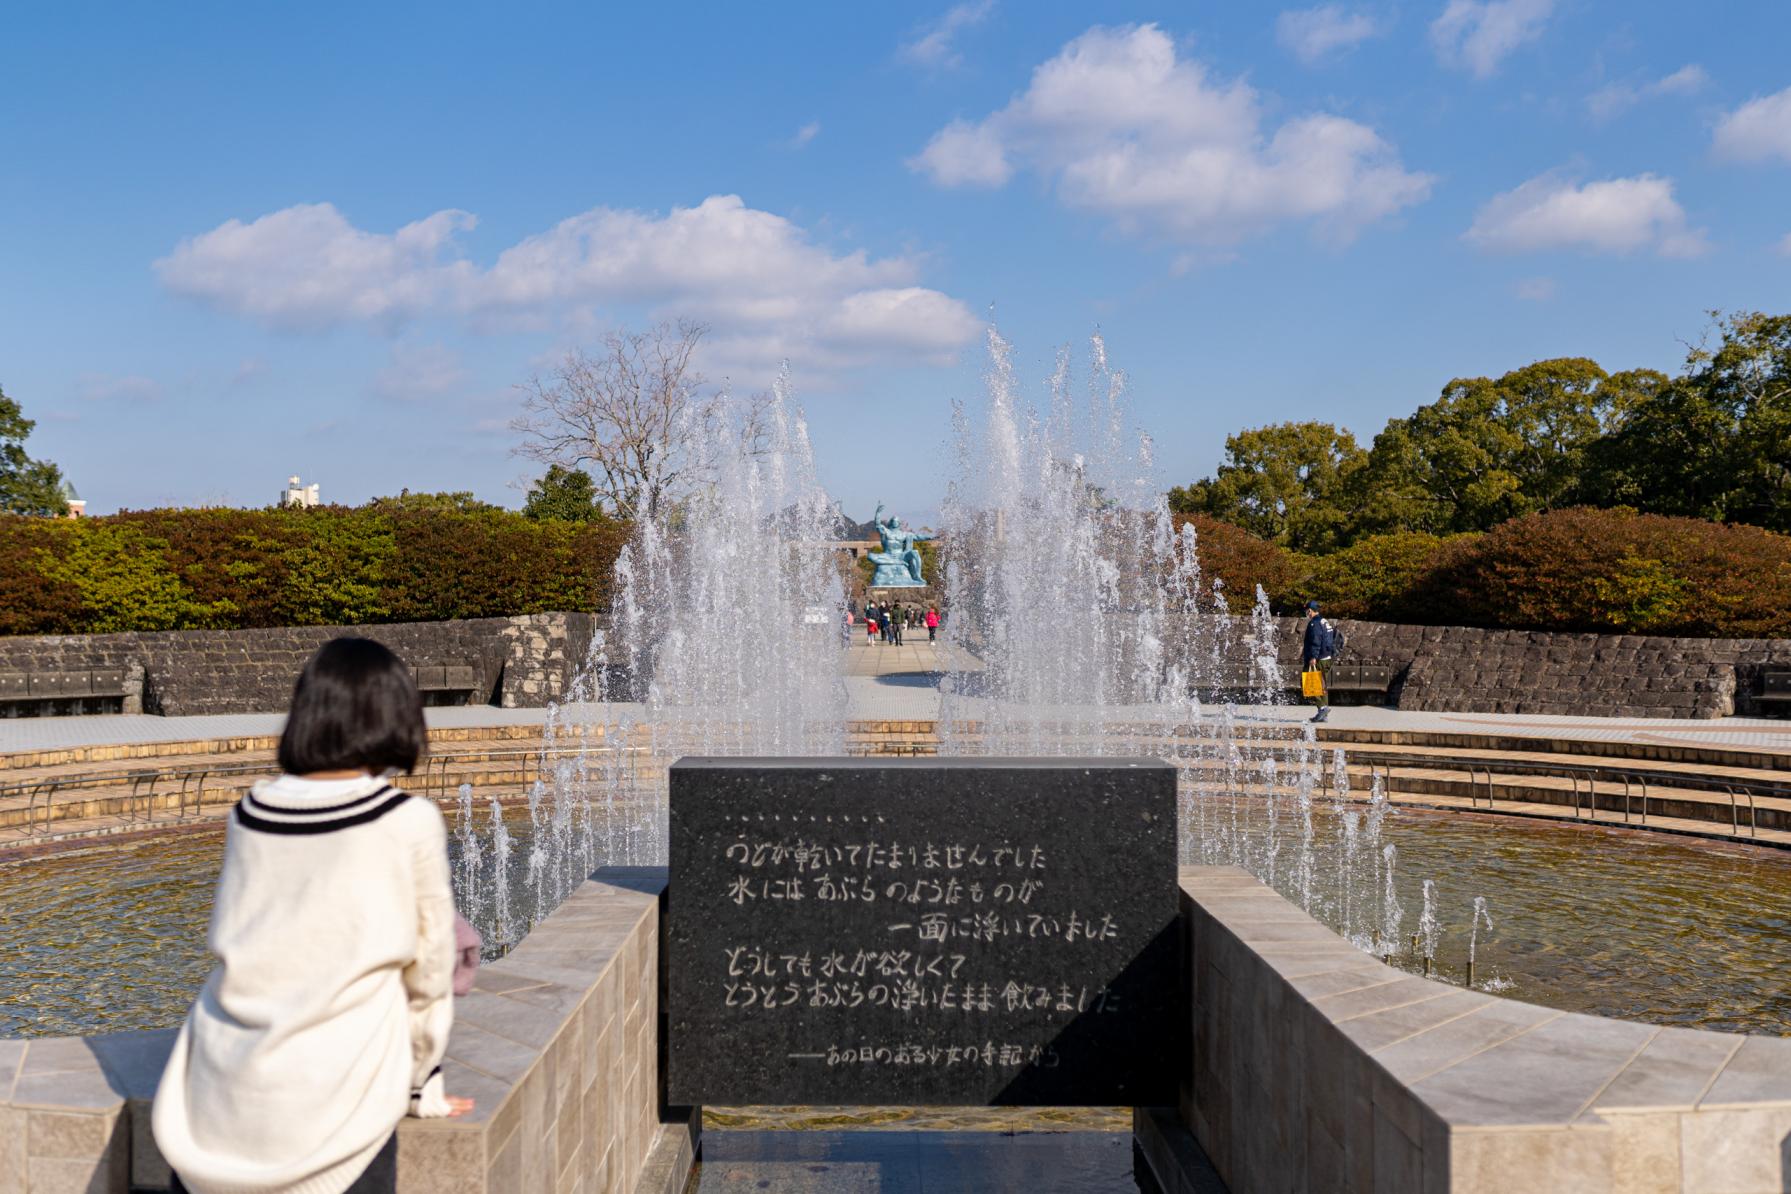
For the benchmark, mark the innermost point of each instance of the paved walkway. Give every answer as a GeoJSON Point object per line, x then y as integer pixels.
{"type": "Point", "coordinates": [884, 681]}
{"type": "Point", "coordinates": [903, 683]}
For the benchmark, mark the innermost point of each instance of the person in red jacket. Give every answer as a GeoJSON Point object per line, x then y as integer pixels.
{"type": "Point", "coordinates": [932, 624]}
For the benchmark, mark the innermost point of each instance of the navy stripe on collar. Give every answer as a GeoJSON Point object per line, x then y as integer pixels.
{"type": "Point", "coordinates": [249, 820]}
{"type": "Point", "coordinates": [322, 810]}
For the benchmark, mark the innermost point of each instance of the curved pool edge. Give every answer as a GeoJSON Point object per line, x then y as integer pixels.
{"type": "Point", "coordinates": [558, 1044]}
{"type": "Point", "coordinates": [1314, 1066]}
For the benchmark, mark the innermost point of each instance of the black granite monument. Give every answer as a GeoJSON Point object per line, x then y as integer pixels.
{"type": "Point", "coordinates": [938, 931]}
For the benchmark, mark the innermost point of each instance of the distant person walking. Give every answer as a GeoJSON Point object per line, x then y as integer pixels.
{"type": "Point", "coordinates": [1317, 655]}
{"type": "Point", "coordinates": [325, 1020]}
{"type": "Point", "coordinates": [870, 625]}
{"type": "Point", "coordinates": [895, 623]}
{"type": "Point", "coordinates": [932, 624]}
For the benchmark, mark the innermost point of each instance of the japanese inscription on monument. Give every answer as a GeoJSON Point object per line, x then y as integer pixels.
{"type": "Point", "coordinates": [961, 931]}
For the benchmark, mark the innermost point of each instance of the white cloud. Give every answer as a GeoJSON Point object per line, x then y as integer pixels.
{"type": "Point", "coordinates": [805, 134]}
{"type": "Point", "coordinates": [1478, 34]}
{"type": "Point", "coordinates": [308, 267]}
{"type": "Point", "coordinates": [1617, 215]}
{"type": "Point", "coordinates": [965, 155]}
{"type": "Point", "coordinates": [105, 387]}
{"type": "Point", "coordinates": [1535, 290]}
{"type": "Point", "coordinates": [419, 371]}
{"type": "Point", "coordinates": [757, 279]}
{"type": "Point", "coordinates": [1312, 34]}
{"type": "Point", "coordinates": [1126, 129]}
{"type": "Point", "coordinates": [1687, 80]}
{"type": "Point", "coordinates": [1614, 99]}
{"type": "Point", "coordinates": [248, 370]}
{"type": "Point", "coordinates": [933, 48]}
{"type": "Point", "coordinates": [1758, 130]}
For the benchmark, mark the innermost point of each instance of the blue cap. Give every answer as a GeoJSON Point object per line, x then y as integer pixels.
{"type": "Point", "coordinates": [1313, 606]}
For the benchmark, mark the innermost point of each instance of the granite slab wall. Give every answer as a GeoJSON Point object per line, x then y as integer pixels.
{"type": "Point", "coordinates": [1467, 670]}
{"type": "Point", "coordinates": [1315, 1067]}
{"type": "Point", "coordinates": [525, 661]}
{"type": "Point", "coordinates": [559, 1044]}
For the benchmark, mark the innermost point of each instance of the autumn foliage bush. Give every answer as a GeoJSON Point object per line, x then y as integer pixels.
{"type": "Point", "coordinates": [1240, 561]}
{"type": "Point", "coordinates": [1382, 578]}
{"type": "Point", "coordinates": [1615, 571]}
{"type": "Point", "coordinates": [1579, 569]}
{"type": "Point", "coordinates": [385, 562]}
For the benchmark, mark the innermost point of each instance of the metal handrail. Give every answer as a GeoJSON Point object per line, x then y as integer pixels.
{"type": "Point", "coordinates": [1592, 775]}
{"type": "Point", "coordinates": [1753, 811]}
{"type": "Point", "coordinates": [432, 781]}
{"type": "Point", "coordinates": [106, 779]}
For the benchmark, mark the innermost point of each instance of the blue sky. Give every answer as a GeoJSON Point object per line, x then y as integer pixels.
{"type": "Point", "coordinates": [243, 241]}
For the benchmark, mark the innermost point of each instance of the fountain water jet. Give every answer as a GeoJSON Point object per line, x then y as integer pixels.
{"type": "Point", "coordinates": [707, 653]}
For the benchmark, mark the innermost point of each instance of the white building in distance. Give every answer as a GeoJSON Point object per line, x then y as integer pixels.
{"type": "Point", "coordinates": [304, 496]}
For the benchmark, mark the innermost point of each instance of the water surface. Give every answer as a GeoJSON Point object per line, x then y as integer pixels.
{"type": "Point", "coordinates": [1640, 926]}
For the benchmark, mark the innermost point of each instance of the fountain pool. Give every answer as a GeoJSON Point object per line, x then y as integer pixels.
{"type": "Point", "coordinates": [1627, 924]}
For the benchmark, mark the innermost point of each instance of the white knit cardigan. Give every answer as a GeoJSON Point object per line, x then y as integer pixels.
{"type": "Point", "coordinates": [329, 1009]}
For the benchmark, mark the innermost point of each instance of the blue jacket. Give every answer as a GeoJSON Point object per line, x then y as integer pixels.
{"type": "Point", "coordinates": [1321, 640]}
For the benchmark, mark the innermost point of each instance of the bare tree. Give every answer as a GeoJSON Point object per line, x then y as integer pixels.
{"type": "Point", "coordinates": [637, 412]}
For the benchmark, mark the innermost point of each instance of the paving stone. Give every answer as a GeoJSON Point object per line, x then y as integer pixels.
{"type": "Point", "coordinates": [1759, 1072]}
{"type": "Point", "coordinates": [1394, 1024]}
{"type": "Point", "coordinates": [1672, 1073]}
{"type": "Point", "coordinates": [1546, 1076]}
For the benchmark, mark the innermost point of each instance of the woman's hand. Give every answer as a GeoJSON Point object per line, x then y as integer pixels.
{"type": "Point", "coordinates": [458, 1106]}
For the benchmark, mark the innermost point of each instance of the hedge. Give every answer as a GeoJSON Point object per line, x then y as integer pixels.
{"type": "Point", "coordinates": [1240, 561]}
{"type": "Point", "coordinates": [1575, 570]}
{"type": "Point", "coordinates": [1580, 569]}
{"type": "Point", "coordinates": [1381, 578]}
{"type": "Point", "coordinates": [222, 568]}
{"type": "Point", "coordinates": [1615, 571]}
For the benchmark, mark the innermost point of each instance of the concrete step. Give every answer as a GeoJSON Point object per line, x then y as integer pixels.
{"type": "Point", "coordinates": [1630, 751]}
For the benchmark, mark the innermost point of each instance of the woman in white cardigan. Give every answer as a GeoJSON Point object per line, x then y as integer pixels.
{"type": "Point", "coordinates": [325, 1020]}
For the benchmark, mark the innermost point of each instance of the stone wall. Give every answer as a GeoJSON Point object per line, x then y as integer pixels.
{"type": "Point", "coordinates": [529, 661]}
{"type": "Point", "coordinates": [1315, 1067]}
{"type": "Point", "coordinates": [558, 1044]}
{"type": "Point", "coordinates": [1467, 670]}
{"type": "Point", "coordinates": [518, 662]}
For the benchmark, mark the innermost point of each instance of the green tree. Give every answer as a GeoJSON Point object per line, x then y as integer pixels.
{"type": "Point", "coordinates": [1280, 483]}
{"type": "Point", "coordinates": [27, 486]}
{"type": "Point", "coordinates": [1714, 443]}
{"type": "Point", "coordinates": [1489, 450]}
{"type": "Point", "coordinates": [567, 494]}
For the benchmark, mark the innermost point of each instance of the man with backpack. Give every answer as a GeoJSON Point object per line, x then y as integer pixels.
{"type": "Point", "coordinates": [1324, 642]}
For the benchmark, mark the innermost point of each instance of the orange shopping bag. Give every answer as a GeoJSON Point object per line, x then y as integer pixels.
{"type": "Point", "coordinates": [1312, 683]}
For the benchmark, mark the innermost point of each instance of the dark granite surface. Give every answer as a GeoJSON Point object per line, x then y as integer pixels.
{"type": "Point", "coordinates": [907, 932]}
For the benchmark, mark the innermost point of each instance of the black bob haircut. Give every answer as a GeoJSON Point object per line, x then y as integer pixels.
{"type": "Point", "coordinates": [355, 706]}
